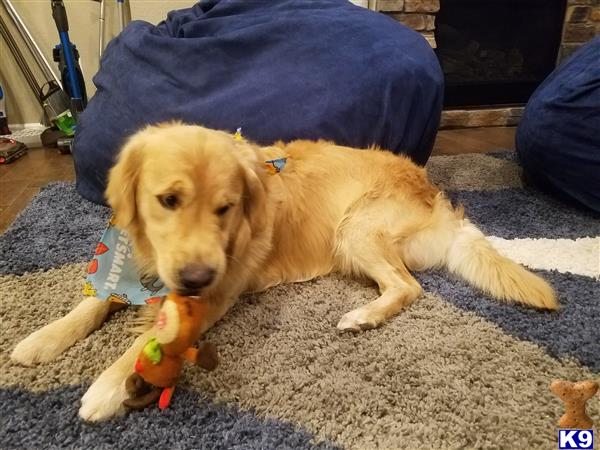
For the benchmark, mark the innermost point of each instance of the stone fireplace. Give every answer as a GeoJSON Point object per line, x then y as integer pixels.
{"type": "Point", "coordinates": [488, 78]}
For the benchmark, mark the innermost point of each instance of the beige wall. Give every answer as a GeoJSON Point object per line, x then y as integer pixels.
{"type": "Point", "coordinates": [22, 106]}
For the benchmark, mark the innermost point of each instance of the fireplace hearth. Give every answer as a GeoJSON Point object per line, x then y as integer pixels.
{"type": "Point", "coordinates": [496, 52]}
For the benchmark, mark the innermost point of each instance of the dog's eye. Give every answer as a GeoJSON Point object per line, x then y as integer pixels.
{"type": "Point", "coordinates": [222, 210]}
{"type": "Point", "coordinates": [169, 201]}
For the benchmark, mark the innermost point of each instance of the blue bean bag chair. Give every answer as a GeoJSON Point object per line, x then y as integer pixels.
{"type": "Point", "coordinates": [558, 139]}
{"type": "Point", "coordinates": [280, 69]}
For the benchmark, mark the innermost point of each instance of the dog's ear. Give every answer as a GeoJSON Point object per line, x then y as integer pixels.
{"type": "Point", "coordinates": [122, 183]}
{"type": "Point", "coordinates": [254, 187]}
{"type": "Point", "coordinates": [254, 199]}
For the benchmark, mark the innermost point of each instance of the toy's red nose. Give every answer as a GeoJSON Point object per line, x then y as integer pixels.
{"type": "Point", "coordinates": [138, 366]}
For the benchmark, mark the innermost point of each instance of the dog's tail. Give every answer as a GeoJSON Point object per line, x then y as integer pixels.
{"type": "Point", "coordinates": [473, 258]}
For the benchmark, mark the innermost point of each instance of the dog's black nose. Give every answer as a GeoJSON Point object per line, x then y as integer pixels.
{"type": "Point", "coordinates": [196, 276]}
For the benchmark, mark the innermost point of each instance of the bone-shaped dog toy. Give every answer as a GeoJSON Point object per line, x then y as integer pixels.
{"type": "Point", "coordinates": [574, 396]}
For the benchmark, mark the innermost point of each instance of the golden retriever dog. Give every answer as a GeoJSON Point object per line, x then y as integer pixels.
{"type": "Point", "coordinates": [205, 214]}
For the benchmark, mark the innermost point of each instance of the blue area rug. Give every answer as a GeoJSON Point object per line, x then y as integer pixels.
{"type": "Point", "coordinates": [200, 424]}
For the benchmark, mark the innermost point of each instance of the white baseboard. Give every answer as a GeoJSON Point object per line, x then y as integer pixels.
{"type": "Point", "coordinates": [21, 126]}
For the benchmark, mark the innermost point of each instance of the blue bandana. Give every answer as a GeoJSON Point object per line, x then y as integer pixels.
{"type": "Point", "coordinates": [112, 274]}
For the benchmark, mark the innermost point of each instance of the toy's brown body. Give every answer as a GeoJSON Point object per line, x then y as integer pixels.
{"type": "Point", "coordinates": [176, 331]}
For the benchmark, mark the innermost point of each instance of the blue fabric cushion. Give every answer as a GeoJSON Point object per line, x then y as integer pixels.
{"type": "Point", "coordinates": [280, 69]}
{"type": "Point", "coordinates": [558, 139]}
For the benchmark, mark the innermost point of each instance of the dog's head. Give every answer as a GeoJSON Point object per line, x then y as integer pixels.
{"type": "Point", "coordinates": [184, 193]}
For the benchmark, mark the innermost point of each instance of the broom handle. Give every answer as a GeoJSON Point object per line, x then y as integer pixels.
{"type": "Point", "coordinates": [101, 31]}
{"type": "Point", "coordinates": [121, 14]}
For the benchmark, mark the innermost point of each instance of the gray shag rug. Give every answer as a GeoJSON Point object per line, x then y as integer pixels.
{"type": "Point", "coordinates": [455, 370]}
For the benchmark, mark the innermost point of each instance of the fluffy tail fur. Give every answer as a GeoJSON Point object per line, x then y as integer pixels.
{"type": "Point", "coordinates": [473, 258]}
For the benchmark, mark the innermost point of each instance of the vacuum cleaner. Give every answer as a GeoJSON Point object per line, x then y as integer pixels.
{"type": "Point", "coordinates": [62, 97]}
{"type": "Point", "coordinates": [55, 101]}
{"type": "Point", "coordinates": [67, 56]}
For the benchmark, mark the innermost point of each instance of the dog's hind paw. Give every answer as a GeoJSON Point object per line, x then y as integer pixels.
{"type": "Point", "coordinates": [358, 320]}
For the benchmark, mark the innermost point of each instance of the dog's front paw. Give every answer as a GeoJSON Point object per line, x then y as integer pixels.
{"type": "Point", "coordinates": [104, 398]}
{"type": "Point", "coordinates": [41, 346]}
{"type": "Point", "coordinates": [358, 320]}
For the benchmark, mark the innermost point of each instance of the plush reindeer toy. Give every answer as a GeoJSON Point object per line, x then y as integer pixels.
{"type": "Point", "coordinates": [161, 360]}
